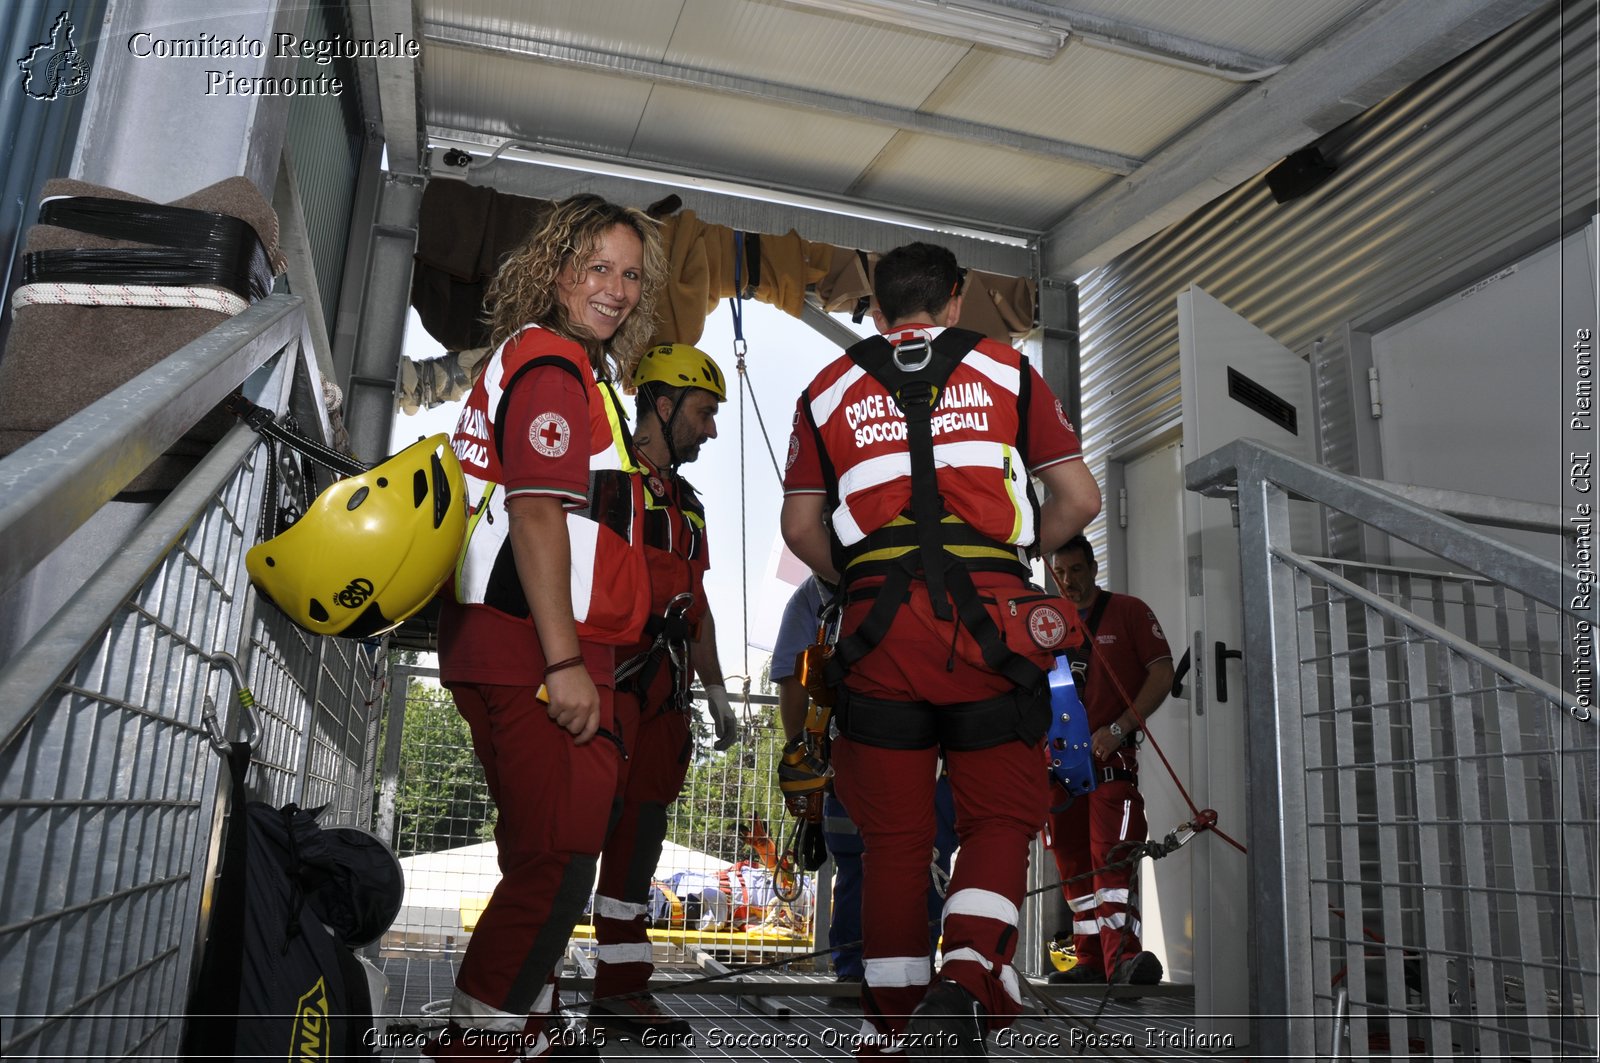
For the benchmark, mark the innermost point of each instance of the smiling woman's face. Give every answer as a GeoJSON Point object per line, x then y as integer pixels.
{"type": "Point", "coordinates": [603, 292]}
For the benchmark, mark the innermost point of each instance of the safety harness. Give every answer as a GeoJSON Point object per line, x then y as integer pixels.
{"type": "Point", "coordinates": [669, 645]}
{"type": "Point", "coordinates": [926, 541]}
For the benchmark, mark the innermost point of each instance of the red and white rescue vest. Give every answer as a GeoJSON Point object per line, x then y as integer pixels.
{"type": "Point", "coordinates": [610, 582]}
{"type": "Point", "coordinates": [976, 427]}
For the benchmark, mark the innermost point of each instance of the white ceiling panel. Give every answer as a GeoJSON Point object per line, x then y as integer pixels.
{"type": "Point", "coordinates": [1274, 29]}
{"type": "Point", "coordinates": [1085, 95]}
{"type": "Point", "coordinates": [538, 102]}
{"type": "Point", "coordinates": [772, 41]}
{"type": "Point", "coordinates": [1016, 191]}
{"type": "Point", "coordinates": [631, 27]}
{"type": "Point", "coordinates": [778, 93]}
{"type": "Point", "coordinates": [756, 141]}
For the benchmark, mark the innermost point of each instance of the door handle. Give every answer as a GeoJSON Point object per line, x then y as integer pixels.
{"type": "Point", "coordinates": [1222, 654]}
{"type": "Point", "coordinates": [1177, 676]}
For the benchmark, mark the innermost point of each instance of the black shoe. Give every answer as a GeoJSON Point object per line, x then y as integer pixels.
{"type": "Point", "coordinates": [948, 1024]}
{"type": "Point", "coordinates": [639, 1014]}
{"type": "Point", "coordinates": [1082, 974]}
{"type": "Point", "coordinates": [1143, 969]}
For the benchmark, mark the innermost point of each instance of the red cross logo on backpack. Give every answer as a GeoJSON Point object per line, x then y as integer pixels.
{"type": "Point", "coordinates": [1047, 626]}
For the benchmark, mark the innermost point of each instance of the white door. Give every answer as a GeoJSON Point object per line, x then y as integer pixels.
{"type": "Point", "coordinates": [1153, 543]}
{"type": "Point", "coordinates": [1237, 382]}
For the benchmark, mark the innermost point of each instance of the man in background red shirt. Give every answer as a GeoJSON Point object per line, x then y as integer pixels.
{"type": "Point", "coordinates": [1123, 672]}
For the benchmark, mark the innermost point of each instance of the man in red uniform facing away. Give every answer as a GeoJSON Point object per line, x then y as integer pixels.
{"type": "Point", "coordinates": [679, 390]}
{"type": "Point", "coordinates": [909, 480]}
{"type": "Point", "coordinates": [1124, 673]}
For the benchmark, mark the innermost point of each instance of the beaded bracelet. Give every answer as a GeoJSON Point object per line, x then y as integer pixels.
{"type": "Point", "coordinates": [570, 662]}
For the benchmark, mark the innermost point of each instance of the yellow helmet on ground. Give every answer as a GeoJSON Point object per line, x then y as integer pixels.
{"type": "Point", "coordinates": [1063, 957]}
{"type": "Point", "coordinates": [681, 366]}
{"type": "Point", "coordinates": [372, 549]}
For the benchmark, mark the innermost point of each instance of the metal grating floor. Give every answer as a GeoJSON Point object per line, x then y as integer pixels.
{"type": "Point", "coordinates": [800, 1016]}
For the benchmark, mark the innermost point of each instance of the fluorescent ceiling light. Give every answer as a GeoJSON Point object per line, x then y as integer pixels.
{"type": "Point", "coordinates": [972, 21]}
{"type": "Point", "coordinates": [531, 153]}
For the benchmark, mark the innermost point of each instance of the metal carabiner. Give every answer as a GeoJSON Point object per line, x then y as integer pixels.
{"type": "Point", "coordinates": [247, 703]}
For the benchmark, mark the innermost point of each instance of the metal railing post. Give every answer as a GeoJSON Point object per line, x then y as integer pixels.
{"type": "Point", "coordinates": [1275, 785]}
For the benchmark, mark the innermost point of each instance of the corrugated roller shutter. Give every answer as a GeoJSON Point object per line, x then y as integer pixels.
{"type": "Point", "coordinates": [1493, 148]}
{"type": "Point", "coordinates": [325, 140]}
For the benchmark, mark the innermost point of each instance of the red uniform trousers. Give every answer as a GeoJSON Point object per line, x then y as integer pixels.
{"type": "Point", "coordinates": [659, 745]}
{"type": "Point", "coordinates": [554, 800]}
{"type": "Point", "coordinates": [1000, 796]}
{"type": "Point", "coordinates": [1105, 915]}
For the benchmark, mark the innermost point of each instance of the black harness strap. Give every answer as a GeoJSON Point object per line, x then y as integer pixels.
{"type": "Point", "coordinates": [929, 367]}
{"type": "Point", "coordinates": [505, 393]}
{"type": "Point", "coordinates": [948, 577]}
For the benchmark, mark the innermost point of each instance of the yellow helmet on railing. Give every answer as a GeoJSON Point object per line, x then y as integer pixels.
{"type": "Point", "coordinates": [372, 549]}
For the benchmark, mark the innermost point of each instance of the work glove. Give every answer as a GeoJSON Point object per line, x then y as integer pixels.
{"type": "Point", "coordinates": [722, 717]}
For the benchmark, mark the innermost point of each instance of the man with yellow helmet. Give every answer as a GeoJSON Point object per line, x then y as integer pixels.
{"type": "Point", "coordinates": [679, 391]}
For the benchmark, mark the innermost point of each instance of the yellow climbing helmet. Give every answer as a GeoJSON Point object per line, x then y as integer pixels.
{"type": "Point", "coordinates": [372, 549]}
{"type": "Point", "coordinates": [1063, 957]}
{"type": "Point", "coordinates": [681, 366]}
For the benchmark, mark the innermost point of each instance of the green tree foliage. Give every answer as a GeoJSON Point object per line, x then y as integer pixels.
{"type": "Point", "coordinates": [442, 801]}
{"type": "Point", "coordinates": [724, 791]}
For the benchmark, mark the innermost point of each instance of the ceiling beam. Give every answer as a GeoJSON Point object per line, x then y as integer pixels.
{"type": "Point", "coordinates": [1387, 46]}
{"type": "Point", "coordinates": [1140, 42]}
{"type": "Point", "coordinates": [1154, 45]}
{"type": "Point", "coordinates": [786, 95]}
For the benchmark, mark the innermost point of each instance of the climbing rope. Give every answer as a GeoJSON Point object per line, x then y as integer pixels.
{"type": "Point", "coordinates": [176, 296]}
{"type": "Point", "coordinates": [736, 308]}
{"type": "Point", "coordinates": [1203, 819]}
{"type": "Point", "coordinates": [740, 349]}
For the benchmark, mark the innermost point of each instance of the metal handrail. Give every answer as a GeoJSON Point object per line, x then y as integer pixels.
{"type": "Point", "coordinates": [53, 484]}
{"type": "Point", "coordinates": [29, 676]}
{"type": "Point", "coordinates": [1244, 460]}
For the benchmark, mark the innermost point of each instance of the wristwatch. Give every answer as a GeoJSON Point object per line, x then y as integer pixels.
{"type": "Point", "coordinates": [1115, 728]}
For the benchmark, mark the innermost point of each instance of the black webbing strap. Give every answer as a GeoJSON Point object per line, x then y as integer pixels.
{"type": "Point", "coordinates": [1079, 655]}
{"type": "Point", "coordinates": [505, 393]}
{"type": "Point", "coordinates": [752, 264]}
{"type": "Point", "coordinates": [864, 303]}
{"type": "Point", "coordinates": [637, 673]}
{"type": "Point", "coordinates": [217, 248]}
{"type": "Point", "coordinates": [916, 391]}
{"type": "Point", "coordinates": [241, 270]}
{"type": "Point", "coordinates": [266, 423]}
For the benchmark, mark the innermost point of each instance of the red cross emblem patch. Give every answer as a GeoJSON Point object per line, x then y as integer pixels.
{"type": "Point", "coordinates": [550, 434]}
{"type": "Point", "coordinates": [1047, 626]}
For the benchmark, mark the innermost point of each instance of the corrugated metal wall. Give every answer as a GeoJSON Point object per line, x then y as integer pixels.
{"type": "Point", "coordinates": [325, 138]}
{"type": "Point", "coordinates": [36, 136]}
{"type": "Point", "coordinates": [1486, 157]}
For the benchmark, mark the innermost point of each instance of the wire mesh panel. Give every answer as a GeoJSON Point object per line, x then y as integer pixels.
{"type": "Point", "coordinates": [1455, 911]}
{"type": "Point", "coordinates": [107, 799]}
{"type": "Point", "coordinates": [713, 890]}
{"type": "Point", "coordinates": [109, 793]}
{"type": "Point", "coordinates": [1441, 899]}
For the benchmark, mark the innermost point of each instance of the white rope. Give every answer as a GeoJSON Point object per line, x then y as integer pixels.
{"type": "Point", "coordinates": [49, 293]}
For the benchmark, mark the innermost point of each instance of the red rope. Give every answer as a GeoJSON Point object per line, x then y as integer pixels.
{"type": "Point", "coordinates": [1204, 819]}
